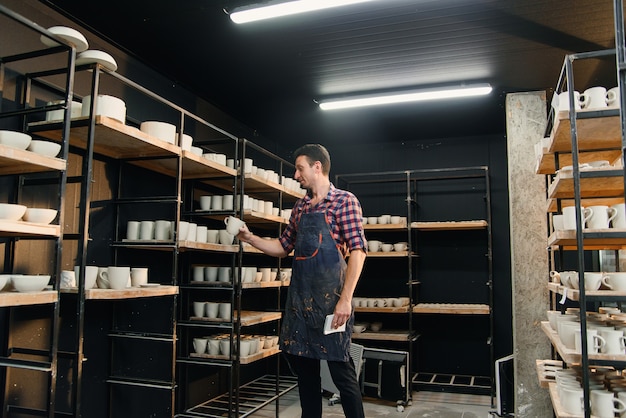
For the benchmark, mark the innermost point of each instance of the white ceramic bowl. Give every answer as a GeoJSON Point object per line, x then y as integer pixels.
{"type": "Point", "coordinates": [39, 215]}
{"type": "Point", "coordinates": [29, 282]}
{"type": "Point", "coordinates": [4, 280]}
{"type": "Point", "coordinates": [92, 55]}
{"type": "Point", "coordinates": [55, 115]}
{"type": "Point", "coordinates": [15, 139]}
{"type": "Point", "coordinates": [162, 130]}
{"type": "Point", "coordinates": [108, 106]}
{"type": "Point", "coordinates": [70, 35]}
{"type": "Point", "coordinates": [11, 212]}
{"type": "Point", "coordinates": [47, 148]}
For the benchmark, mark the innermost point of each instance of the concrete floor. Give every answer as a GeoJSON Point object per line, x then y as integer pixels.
{"type": "Point", "coordinates": [424, 404]}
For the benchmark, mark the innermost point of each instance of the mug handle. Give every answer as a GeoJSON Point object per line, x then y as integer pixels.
{"type": "Point", "coordinates": [612, 213]}
{"type": "Point", "coordinates": [226, 221]}
{"type": "Point", "coordinates": [599, 342]}
{"type": "Point", "coordinates": [605, 282]}
{"type": "Point", "coordinates": [584, 100]}
{"type": "Point", "coordinates": [621, 408]}
{"type": "Point", "coordinates": [589, 213]}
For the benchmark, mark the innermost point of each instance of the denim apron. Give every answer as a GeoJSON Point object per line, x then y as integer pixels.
{"type": "Point", "coordinates": [317, 280]}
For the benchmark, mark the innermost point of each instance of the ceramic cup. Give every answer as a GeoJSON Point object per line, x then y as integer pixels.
{"type": "Point", "coordinates": [214, 346]}
{"type": "Point", "coordinates": [561, 101]}
{"type": "Point", "coordinates": [557, 222]}
{"type": "Point", "coordinates": [224, 310]}
{"type": "Point", "coordinates": [614, 341]}
{"type": "Point", "coordinates": [202, 234]}
{"type": "Point", "coordinates": [600, 217]}
{"type": "Point", "coordinates": [205, 202]}
{"type": "Point", "coordinates": [91, 276]}
{"type": "Point", "coordinates": [593, 98]}
{"type": "Point", "coordinates": [199, 345]}
{"type": "Point", "coordinates": [569, 217]}
{"type": "Point", "coordinates": [615, 281]}
{"type": "Point", "coordinates": [593, 280]}
{"type": "Point", "coordinates": [212, 236]}
{"type": "Point", "coordinates": [117, 276]}
{"type": "Point", "coordinates": [612, 98]}
{"type": "Point", "coordinates": [199, 309]}
{"type": "Point", "coordinates": [162, 230]}
{"type": "Point", "coordinates": [210, 273]}
{"type": "Point", "coordinates": [386, 247]}
{"type": "Point", "coordinates": [228, 202]}
{"type": "Point", "coordinates": [212, 309]}
{"type": "Point", "coordinates": [619, 221]}
{"type": "Point", "coordinates": [225, 238]}
{"type": "Point", "coordinates": [604, 404]}
{"type": "Point", "coordinates": [400, 246]}
{"type": "Point", "coordinates": [217, 202]}
{"type": "Point", "coordinates": [68, 279]}
{"type": "Point", "coordinates": [225, 347]}
{"type": "Point", "coordinates": [233, 225]}
{"type": "Point", "coordinates": [132, 230]}
{"type": "Point", "coordinates": [138, 276]}
{"type": "Point", "coordinates": [146, 230]}
{"type": "Point", "coordinates": [102, 281]}
{"type": "Point", "coordinates": [373, 245]}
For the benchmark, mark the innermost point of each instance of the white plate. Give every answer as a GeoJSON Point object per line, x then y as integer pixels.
{"type": "Point", "coordinates": [150, 285]}
{"type": "Point", "coordinates": [70, 35]}
{"type": "Point", "coordinates": [92, 55]}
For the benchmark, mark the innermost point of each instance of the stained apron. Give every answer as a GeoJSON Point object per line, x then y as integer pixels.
{"type": "Point", "coordinates": [318, 274]}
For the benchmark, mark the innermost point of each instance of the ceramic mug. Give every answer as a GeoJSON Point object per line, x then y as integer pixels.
{"type": "Point", "coordinates": [612, 98]}
{"type": "Point", "coordinates": [233, 225]}
{"type": "Point", "coordinates": [138, 276]}
{"type": "Point", "coordinates": [117, 277]}
{"type": "Point", "coordinates": [199, 345]}
{"type": "Point", "coordinates": [132, 230]}
{"type": "Point", "coordinates": [205, 202]}
{"type": "Point", "coordinates": [199, 309]}
{"type": "Point", "coordinates": [604, 404]}
{"type": "Point", "coordinates": [600, 217]}
{"type": "Point", "coordinates": [68, 279]}
{"type": "Point", "coordinates": [91, 275]}
{"type": "Point", "coordinates": [615, 281]}
{"type": "Point", "coordinates": [593, 98]}
{"type": "Point", "coordinates": [619, 221]}
{"type": "Point", "coordinates": [569, 217]}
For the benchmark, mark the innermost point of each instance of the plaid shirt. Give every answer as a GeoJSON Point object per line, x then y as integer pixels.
{"type": "Point", "coordinates": [343, 214]}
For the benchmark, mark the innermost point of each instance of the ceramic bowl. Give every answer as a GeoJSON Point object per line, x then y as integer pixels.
{"type": "Point", "coordinates": [109, 106]}
{"type": "Point", "coordinates": [70, 35]}
{"type": "Point", "coordinates": [29, 282]}
{"type": "Point", "coordinates": [11, 212]}
{"type": "Point", "coordinates": [162, 130]}
{"type": "Point", "coordinates": [46, 148]}
{"type": "Point", "coordinates": [39, 215]}
{"type": "Point", "coordinates": [91, 56]}
{"type": "Point", "coordinates": [15, 139]}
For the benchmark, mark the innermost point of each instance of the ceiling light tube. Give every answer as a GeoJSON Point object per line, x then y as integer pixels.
{"type": "Point", "coordinates": [260, 12]}
{"type": "Point", "coordinates": [413, 96]}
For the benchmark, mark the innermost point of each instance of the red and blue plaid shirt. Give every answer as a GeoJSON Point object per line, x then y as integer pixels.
{"type": "Point", "coordinates": [343, 214]}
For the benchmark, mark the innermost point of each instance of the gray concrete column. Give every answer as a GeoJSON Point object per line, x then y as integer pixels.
{"type": "Point", "coordinates": [525, 125]}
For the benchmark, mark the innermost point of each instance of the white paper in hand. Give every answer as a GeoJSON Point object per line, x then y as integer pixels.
{"type": "Point", "coordinates": [328, 325]}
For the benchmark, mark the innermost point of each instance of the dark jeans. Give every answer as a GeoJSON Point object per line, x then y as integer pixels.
{"type": "Point", "coordinates": [310, 386]}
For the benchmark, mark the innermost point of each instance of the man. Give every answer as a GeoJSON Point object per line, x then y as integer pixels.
{"type": "Point", "coordinates": [325, 226]}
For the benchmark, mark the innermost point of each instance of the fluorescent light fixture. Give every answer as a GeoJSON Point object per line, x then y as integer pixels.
{"type": "Point", "coordinates": [268, 11]}
{"type": "Point", "coordinates": [412, 96]}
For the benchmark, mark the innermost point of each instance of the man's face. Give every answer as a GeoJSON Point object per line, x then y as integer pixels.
{"type": "Point", "coordinates": [306, 173]}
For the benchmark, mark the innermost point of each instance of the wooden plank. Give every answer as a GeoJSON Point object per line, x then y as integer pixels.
{"type": "Point", "coordinates": [21, 228]}
{"type": "Point", "coordinates": [388, 335]}
{"type": "Point", "coordinates": [546, 371]}
{"type": "Point", "coordinates": [592, 133]}
{"type": "Point", "coordinates": [567, 238]}
{"type": "Point", "coordinates": [571, 356]}
{"type": "Point", "coordinates": [395, 309]}
{"type": "Point", "coordinates": [388, 254]}
{"type": "Point", "coordinates": [205, 246]}
{"type": "Point", "coordinates": [592, 201]}
{"type": "Point", "coordinates": [12, 298]}
{"type": "Point", "coordinates": [128, 293]}
{"type": "Point", "coordinates": [263, 353]}
{"type": "Point", "coordinates": [452, 308]}
{"type": "Point", "coordinates": [385, 227]}
{"type": "Point", "coordinates": [17, 161]}
{"type": "Point", "coordinates": [195, 166]}
{"type": "Point", "coordinates": [546, 165]}
{"type": "Point", "coordinates": [450, 225]}
{"type": "Point", "coordinates": [255, 217]}
{"type": "Point", "coordinates": [247, 317]}
{"type": "Point", "coordinates": [563, 186]}
{"type": "Point", "coordinates": [573, 294]}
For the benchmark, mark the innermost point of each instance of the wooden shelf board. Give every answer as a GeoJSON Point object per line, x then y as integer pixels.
{"type": "Point", "coordinates": [254, 217]}
{"type": "Point", "coordinates": [192, 245]}
{"type": "Point", "coordinates": [262, 285]}
{"type": "Point", "coordinates": [606, 186]}
{"type": "Point", "coordinates": [546, 165]}
{"type": "Point", "coordinates": [263, 353]}
{"type": "Point", "coordinates": [398, 309]}
{"type": "Point", "coordinates": [20, 228]}
{"type": "Point", "coordinates": [113, 138]}
{"type": "Point", "coordinates": [452, 308]}
{"type": "Point", "coordinates": [12, 298]}
{"type": "Point", "coordinates": [17, 161]}
{"type": "Point", "coordinates": [247, 318]}
{"type": "Point", "coordinates": [128, 293]}
{"type": "Point", "coordinates": [195, 166]}
{"type": "Point", "coordinates": [388, 254]}
{"type": "Point", "coordinates": [450, 225]}
{"type": "Point", "coordinates": [573, 294]}
{"type": "Point", "coordinates": [544, 367]}
{"type": "Point", "coordinates": [590, 201]}
{"type": "Point", "coordinates": [385, 227]}
{"type": "Point", "coordinates": [592, 133]}
{"type": "Point", "coordinates": [567, 238]}
{"type": "Point", "coordinates": [389, 335]}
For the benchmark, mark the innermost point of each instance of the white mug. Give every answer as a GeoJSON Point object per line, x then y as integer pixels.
{"type": "Point", "coordinates": [612, 98]}
{"type": "Point", "coordinates": [68, 279]}
{"type": "Point", "coordinates": [205, 202]}
{"type": "Point", "coordinates": [560, 102]}
{"type": "Point", "coordinates": [217, 202]}
{"type": "Point", "coordinates": [614, 341]}
{"type": "Point", "coordinates": [572, 400]}
{"type": "Point", "coordinates": [201, 234]}
{"type": "Point", "coordinates": [557, 222]}
{"type": "Point", "coordinates": [214, 346]}
{"type": "Point", "coordinates": [225, 347]}
{"type": "Point", "coordinates": [593, 98]}
{"type": "Point", "coordinates": [210, 273]}
{"type": "Point", "coordinates": [212, 236]}
{"type": "Point", "coordinates": [116, 276]}
{"type": "Point", "coordinates": [198, 309]}
{"type": "Point", "coordinates": [227, 202]}
{"type": "Point", "coordinates": [604, 404]}
{"type": "Point", "coordinates": [146, 230]}
{"type": "Point", "coordinates": [138, 276]}
{"type": "Point", "coordinates": [400, 246]}
{"type": "Point", "coordinates": [226, 238]}
{"type": "Point", "coordinates": [619, 221]}
{"type": "Point", "coordinates": [373, 245]}
{"type": "Point", "coordinates": [593, 280]}
{"type": "Point", "coordinates": [594, 342]}
{"type": "Point", "coordinates": [233, 224]}
{"type": "Point", "coordinates": [224, 310]}
{"type": "Point", "coordinates": [600, 217]}
{"type": "Point", "coordinates": [91, 275]}
{"type": "Point", "coordinates": [199, 345]}
{"type": "Point", "coordinates": [162, 230]}
{"type": "Point", "coordinates": [569, 217]}
{"type": "Point", "coordinates": [212, 309]}
{"type": "Point", "coordinates": [224, 274]}
{"type": "Point", "coordinates": [132, 230]}
{"type": "Point", "coordinates": [615, 281]}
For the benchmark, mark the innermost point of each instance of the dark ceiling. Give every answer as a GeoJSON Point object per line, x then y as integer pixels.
{"type": "Point", "coordinates": [268, 74]}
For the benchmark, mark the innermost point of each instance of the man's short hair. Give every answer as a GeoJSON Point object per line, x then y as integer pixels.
{"type": "Point", "coordinates": [314, 152]}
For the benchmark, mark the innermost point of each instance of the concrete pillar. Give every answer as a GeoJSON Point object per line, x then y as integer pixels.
{"type": "Point", "coordinates": [525, 125]}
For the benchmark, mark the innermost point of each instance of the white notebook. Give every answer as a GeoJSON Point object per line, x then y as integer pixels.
{"type": "Point", "coordinates": [328, 325]}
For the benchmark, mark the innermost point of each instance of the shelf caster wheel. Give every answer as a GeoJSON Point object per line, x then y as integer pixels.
{"type": "Point", "coordinates": [400, 408]}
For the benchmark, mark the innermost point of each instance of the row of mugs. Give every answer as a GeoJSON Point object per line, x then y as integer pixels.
{"type": "Point", "coordinates": [594, 98]}
{"type": "Point", "coordinates": [271, 175]}
{"type": "Point", "coordinates": [213, 310]}
{"type": "Point", "coordinates": [220, 344]}
{"type": "Point", "coordinates": [593, 280]}
{"type": "Point", "coordinates": [112, 277]}
{"type": "Point", "coordinates": [601, 338]}
{"type": "Point", "coordinates": [380, 302]}
{"type": "Point", "coordinates": [593, 217]}
{"type": "Point", "coordinates": [248, 274]}
{"type": "Point", "coordinates": [360, 327]}
{"type": "Point", "coordinates": [375, 246]}
{"type": "Point", "coordinates": [603, 403]}
{"type": "Point", "coordinates": [384, 220]}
